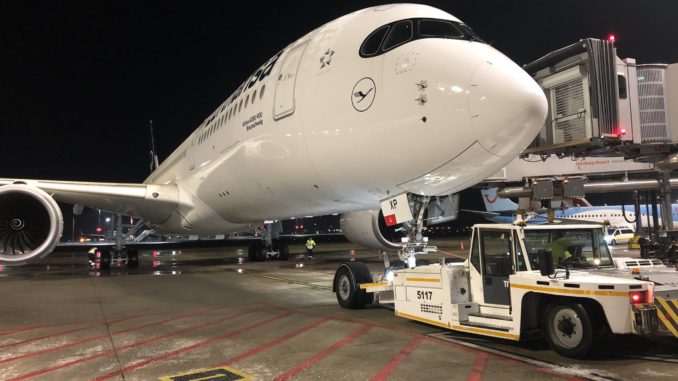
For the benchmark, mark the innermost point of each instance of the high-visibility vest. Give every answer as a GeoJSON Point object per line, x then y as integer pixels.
{"type": "Point", "coordinates": [310, 244]}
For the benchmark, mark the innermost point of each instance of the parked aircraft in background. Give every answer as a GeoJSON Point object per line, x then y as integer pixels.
{"type": "Point", "coordinates": [502, 210]}
{"type": "Point", "coordinates": [387, 100]}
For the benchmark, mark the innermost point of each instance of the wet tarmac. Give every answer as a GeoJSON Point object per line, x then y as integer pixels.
{"type": "Point", "coordinates": [208, 313]}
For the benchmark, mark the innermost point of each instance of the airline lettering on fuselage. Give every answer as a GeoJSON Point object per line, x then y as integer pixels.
{"type": "Point", "coordinates": [253, 121]}
{"type": "Point", "coordinates": [258, 76]}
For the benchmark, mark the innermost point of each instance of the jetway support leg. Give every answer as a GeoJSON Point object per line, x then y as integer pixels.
{"type": "Point", "coordinates": [655, 214]}
{"type": "Point", "coordinates": [665, 196]}
{"type": "Point", "coordinates": [639, 216]}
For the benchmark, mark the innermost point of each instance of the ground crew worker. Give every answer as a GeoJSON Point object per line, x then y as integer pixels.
{"type": "Point", "coordinates": [310, 245]}
{"type": "Point", "coordinates": [559, 246]}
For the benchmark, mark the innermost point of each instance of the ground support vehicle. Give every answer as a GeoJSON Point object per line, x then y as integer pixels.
{"type": "Point", "coordinates": [510, 288]}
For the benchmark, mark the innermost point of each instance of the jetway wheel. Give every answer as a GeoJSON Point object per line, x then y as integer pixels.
{"type": "Point", "coordinates": [283, 250]}
{"type": "Point", "coordinates": [132, 258]}
{"type": "Point", "coordinates": [104, 260]}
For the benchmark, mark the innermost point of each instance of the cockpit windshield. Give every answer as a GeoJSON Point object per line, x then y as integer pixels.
{"type": "Point", "coordinates": [572, 248]}
{"type": "Point", "coordinates": [397, 33]}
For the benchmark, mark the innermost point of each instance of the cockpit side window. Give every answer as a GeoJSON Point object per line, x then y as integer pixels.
{"type": "Point", "coordinates": [439, 28]}
{"type": "Point", "coordinates": [399, 34]}
{"type": "Point", "coordinates": [373, 41]}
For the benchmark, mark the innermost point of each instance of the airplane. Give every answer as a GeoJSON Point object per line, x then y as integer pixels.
{"type": "Point", "coordinates": [389, 100]}
{"type": "Point", "coordinates": [502, 210]}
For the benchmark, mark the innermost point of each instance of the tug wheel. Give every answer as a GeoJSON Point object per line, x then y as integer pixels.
{"type": "Point", "coordinates": [349, 295]}
{"type": "Point", "coordinates": [571, 330]}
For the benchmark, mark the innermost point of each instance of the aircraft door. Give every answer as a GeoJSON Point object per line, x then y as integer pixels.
{"type": "Point", "coordinates": [496, 261]}
{"type": "Point", "coordinates": [284, 103]}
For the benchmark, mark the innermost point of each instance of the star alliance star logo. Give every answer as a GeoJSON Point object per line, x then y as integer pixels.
{"type": "Point", "coordinates": [326, 59]}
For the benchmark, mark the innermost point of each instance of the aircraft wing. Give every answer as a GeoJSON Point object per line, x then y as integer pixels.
{"type": "Point", "coordinates": [481, 212]}
{"type": "Point", "coordinates": [151, 202]}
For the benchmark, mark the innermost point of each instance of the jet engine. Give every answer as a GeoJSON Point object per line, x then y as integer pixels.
{"type": "Point", "coordinates": [367, 228]}
{"type": "Point", "coordinates": [30, 223]}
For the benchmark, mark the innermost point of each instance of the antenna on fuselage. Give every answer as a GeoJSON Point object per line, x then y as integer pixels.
{"type": "Point", "coordinates": [153, 153]}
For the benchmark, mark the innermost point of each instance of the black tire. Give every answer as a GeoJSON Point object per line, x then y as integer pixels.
{"type": "Point", "coordinates": [259, 252]}
{"type": "Point", "coordinates": [284, 251]}
{"type": "Point", "coordinates": [251, 254]}
{"type": "Point", "coordinates": [132, 259]}
{"type": "Point", "coordinates": [571, 330]}
{"type": "Point", "coordinates": [613, 243]}
{"type": "Point", "coordinates": [349, 295]}
{"type": "Point", "coordinates": [345, 289]}
{"type": "Point", "coordinates": [105, 260]}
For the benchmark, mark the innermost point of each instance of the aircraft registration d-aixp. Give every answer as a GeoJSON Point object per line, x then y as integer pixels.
{"type": "Point", "coordinates": [395, 102]}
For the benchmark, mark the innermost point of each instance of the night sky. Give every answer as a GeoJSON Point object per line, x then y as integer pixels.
{"type": "Point", "coordinates": [79, 80]}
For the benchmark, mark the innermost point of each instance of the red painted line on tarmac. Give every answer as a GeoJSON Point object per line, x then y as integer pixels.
{"type": "Point", "coordinates": [324, 353]}
{"type": "Point", "coordinates": [65, 332]}
{"type": "Point", "coordinates": [397, 360]}
{"type": "Point", "coordinates": [478, 367]}
{"type": "Point", "coordinates": [18, 329]}
{"type": "Point", "coordinates": [272, 343]}
{"type": "Point", "coordinates": [129, 346]}
{"type": "Point", "coordinates": [129, 329]}
{"type": "Point", "coordinates": [167, 355]}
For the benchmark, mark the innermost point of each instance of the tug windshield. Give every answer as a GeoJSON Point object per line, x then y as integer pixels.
{"type": "Point", "coordinates": [572, 248]}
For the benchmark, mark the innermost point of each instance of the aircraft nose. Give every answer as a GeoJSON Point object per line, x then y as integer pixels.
{"type": "Point", "coordinates": [506, 106]}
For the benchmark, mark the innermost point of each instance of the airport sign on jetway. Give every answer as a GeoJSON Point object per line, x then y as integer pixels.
{"type": "Point", "coordinates": [396, 210]}
{"type": "Point", "coordinates": [534, 166]}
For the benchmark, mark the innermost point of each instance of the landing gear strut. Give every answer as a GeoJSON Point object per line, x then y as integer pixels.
{"type": "Point", "coordinates": [416, 242]}
{"type": "Point", "coordinates": [269, 247]}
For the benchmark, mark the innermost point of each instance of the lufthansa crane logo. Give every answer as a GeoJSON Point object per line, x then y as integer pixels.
{"type": "Point", "coordinates": [363, 94]}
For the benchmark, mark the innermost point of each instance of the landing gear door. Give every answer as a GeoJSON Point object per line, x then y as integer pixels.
{"type": "Point", "coordinates": [496, 258]}
{"type": "Point", "coordinates": [284, 103]}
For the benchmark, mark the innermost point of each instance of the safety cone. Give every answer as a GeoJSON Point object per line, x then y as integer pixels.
{"type": "Point", "coordinates": [352, 255]}
{"type": "Point", "coordinates": [462, 245]}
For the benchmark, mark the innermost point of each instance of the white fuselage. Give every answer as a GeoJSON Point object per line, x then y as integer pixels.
{"type": "Point", "coordinates": [298, 137]}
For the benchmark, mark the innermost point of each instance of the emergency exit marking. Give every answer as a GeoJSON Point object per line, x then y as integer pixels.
{"type": "Point", "coordinates": [223, 373]}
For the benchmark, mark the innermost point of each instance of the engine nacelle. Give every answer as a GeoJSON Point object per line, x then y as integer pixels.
{"type": "Point", "coordinates": [30, 223]}
{"type": "Point", "coordinates": [367, 228]}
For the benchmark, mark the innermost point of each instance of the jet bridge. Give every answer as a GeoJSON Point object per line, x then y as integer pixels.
{"type": "Point", "coordinates": [608, 117]}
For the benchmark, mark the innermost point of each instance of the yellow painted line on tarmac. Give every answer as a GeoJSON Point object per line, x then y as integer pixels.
{"type": "Point", "coordinates": [293, 281]}
{"type": "Point", "coordinates": [221, 373]}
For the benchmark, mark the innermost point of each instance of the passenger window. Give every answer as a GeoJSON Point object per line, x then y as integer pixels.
{"type": "Point", "coordinates": [623, 92]}
{"type": "Point", "coordinates": [439, 28]}
{"type": "Point", "coordinates": [475, 252]}
{"type": "Point", "coordinates": [254, 96]}
{"type": "Point", "coordinates": [373, 42]}
{"type": "Point", "coordinates": [400, 34]}
{"type": "Point", "coordinates": [261, 94]}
